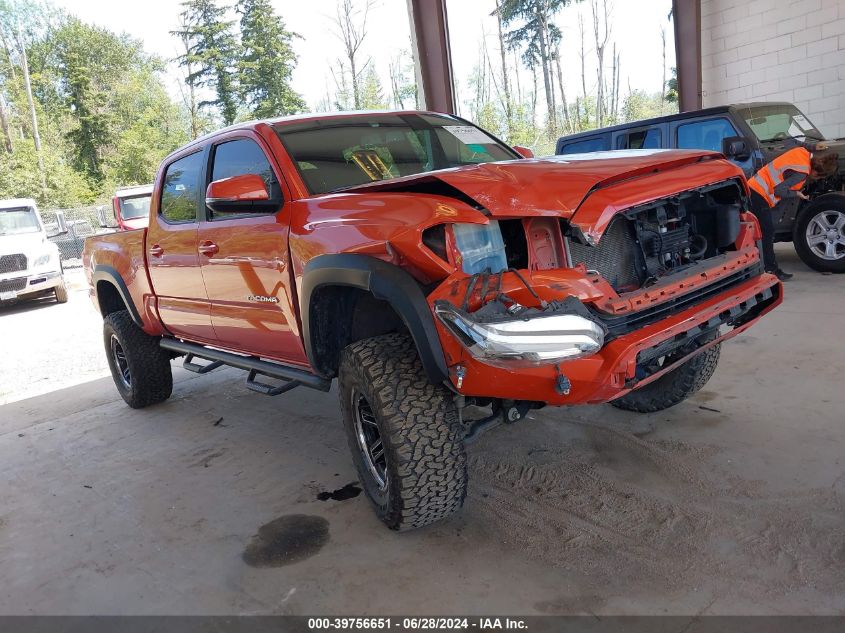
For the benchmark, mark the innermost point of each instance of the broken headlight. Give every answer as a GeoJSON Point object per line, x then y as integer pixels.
{"type": "Point", "coordinates": [538, 339]}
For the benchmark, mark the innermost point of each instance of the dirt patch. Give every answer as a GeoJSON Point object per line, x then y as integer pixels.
{"type": "Point", "coordinates": [623, 509]}
{"type": "Point", "coordinates": [289, 539]}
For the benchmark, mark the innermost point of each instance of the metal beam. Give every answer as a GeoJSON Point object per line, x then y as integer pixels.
{"type": "Point", "coordinates": [687, 17]}
{"type": "Point", "coordinates": [432, 57]}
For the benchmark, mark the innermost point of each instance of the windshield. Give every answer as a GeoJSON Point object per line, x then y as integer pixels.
{"type": "Point", "coordinates": [134, 208]}
{"type": "Point", "coordinates": [775, 122]}
{"type": "Point", "coordinates": [335, 153]}
{"type": "Point", "coordinates": [18, 220]}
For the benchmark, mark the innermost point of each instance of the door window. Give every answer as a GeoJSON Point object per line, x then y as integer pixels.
{"type": "Point", "coordinates": [180, 193]}
{"type": "Point", "coordinates": [640, 139]}
{"type": "Point", "coordinates": [594, 144]}
{"type": "Point", "coordinates": [706, 134]}
{"type": "Point", "coordinates": [240, 157]}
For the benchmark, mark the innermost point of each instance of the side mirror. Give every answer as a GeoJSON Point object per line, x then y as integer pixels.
{"type": "Point", "coordinates": [523, 151]}
{"type": "Point", "coordinates": [736, 148]}
{"type": "Point", "coordinates": [103, 218]}
{"type": "Point", "coordinates": [61, 224]}
{"type": "Point", "coordinates": [246, 193]}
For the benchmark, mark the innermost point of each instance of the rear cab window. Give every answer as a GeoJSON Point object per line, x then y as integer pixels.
{"type": "Point", "coordinates": [135, 207]}
{"type": "Point", "coordinates": [180, 192]}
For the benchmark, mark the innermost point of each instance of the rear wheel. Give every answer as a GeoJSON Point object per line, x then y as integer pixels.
{"type": "Point", "coordinates": [819, 234]}
{"type": "Point", "coordinates": [674, 387]}
{"type": "Point", "coordinates": [405, 433]}
{"type": "Point", "coordinates": [139, 366]}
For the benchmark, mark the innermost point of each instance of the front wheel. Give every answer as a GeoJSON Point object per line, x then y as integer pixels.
{"type": "Point", "coordinates": [819, 234]}
{"type": "Point", "coordinates": [673, 387]}
{"type": "Point", "coordinates": [139, 366]}
{"type": "Point", "coordinates": [61, 292]}
{"type": "Point", "coordinates": [405, 433]}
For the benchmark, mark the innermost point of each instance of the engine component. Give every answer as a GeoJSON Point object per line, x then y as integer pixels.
{"type": "Point", "coordinates": [617, 257]}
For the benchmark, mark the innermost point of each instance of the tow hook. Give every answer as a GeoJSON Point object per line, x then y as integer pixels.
{"type": "Point", "coordinates": [460, 372]}
{"type": "Point", "coordinates": [562, 384]}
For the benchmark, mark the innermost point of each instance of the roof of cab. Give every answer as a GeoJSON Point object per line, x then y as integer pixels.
{"type": "Point", "coordinates": [13, 203]}
{"type": "Point", "coordinates": [138, 190]}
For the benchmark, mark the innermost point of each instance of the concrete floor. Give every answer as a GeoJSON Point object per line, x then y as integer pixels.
{"type": "Point", "coordinates": [729, 503]}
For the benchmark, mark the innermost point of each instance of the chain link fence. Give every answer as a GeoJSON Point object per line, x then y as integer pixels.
{"type": "Point", "coordinates": [81, 222]}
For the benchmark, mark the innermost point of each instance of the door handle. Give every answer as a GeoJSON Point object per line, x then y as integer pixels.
{"type": "Point", "coordinates": [156, 250]}
{"type": "Point", "coordinates": [208, 248]}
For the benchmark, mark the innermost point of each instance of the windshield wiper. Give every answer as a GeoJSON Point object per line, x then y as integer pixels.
{"type": "Point", "coordinates": [796, 137]}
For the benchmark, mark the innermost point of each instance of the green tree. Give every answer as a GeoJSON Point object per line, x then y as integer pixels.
{"type": "Point", "coordinates": [371, 96]}
{"type": "Point", "coordinates": [86, 62]}
{"type": "Point", "coordinates": [403, 82]}
{"type": "Point", "coordinates": [267, 61]}
{"type": "Point", "coordinates": [640, 105]}
{"type": "Point", "coordinates": [672, 86]}
{"type": "Point", "coordinates": [211, 54]}
{"type": "Point", "coordinates": [533, 29]}
{"type": "Point", "coordinates": [19, 177]}
{"type": "Point", "coordinates": [103, 114]}
{"type": "Point", "coordinates": [147, 127]}
{"type": "Point", "coordinates": [96, 87]}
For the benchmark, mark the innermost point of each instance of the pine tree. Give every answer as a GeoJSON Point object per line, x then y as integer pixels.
{"type": "Point", "coordinates": [371, 95]}
{"type": "Point", "coordinates": [212, 51]}
{"type": "Point", "coordinates": [535, 31]}
{"type": "Point", "coordinates": [267, 61]}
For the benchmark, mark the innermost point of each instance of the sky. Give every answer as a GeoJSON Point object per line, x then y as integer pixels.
{"type": "Point", "coordinates": [635, 28]}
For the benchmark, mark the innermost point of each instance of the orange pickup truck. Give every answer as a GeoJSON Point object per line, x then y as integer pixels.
{"type": "Point", "coordinates": [449, 282]}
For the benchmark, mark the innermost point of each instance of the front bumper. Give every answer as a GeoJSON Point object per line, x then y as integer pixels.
{"type": "Point", "coordinates": [612, 372]}
{"type": "Point", "coordinates": [22, 285]}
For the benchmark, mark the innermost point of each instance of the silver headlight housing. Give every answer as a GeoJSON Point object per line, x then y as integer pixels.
{"type": "Point", "coordinates": [544, 338]}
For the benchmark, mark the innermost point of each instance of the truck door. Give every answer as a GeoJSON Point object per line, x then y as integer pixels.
{"type": "Point", "coordinates": [172, 255]}
{"type": "Point", "coordinates": [245, 261]}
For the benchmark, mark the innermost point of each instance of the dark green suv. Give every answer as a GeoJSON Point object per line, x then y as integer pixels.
{"type": "Point", "coordinates": [750, 134]}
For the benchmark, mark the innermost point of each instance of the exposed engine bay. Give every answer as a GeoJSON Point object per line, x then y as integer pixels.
{"type": "Point", "coordinates": [651, 241]}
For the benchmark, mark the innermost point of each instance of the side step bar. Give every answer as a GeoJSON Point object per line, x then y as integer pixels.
{"type": "Point", "coordinates": [247, 363]}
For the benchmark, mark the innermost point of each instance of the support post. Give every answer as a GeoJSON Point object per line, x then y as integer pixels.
{"type": "Point", "coordinates": [432, 57]}
{"type": "Point", "coordinates": [687, 18]}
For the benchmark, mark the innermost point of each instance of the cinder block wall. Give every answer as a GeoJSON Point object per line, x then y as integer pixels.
{"type": "Point", "coordinates": [776, 50]}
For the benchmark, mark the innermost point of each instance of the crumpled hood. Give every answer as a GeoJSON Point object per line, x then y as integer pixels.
{"type": "Point", "coordinates": [554, 186]}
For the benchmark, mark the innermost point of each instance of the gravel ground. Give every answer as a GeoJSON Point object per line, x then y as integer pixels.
{"type": "Point", "coordinates": [47, 346]}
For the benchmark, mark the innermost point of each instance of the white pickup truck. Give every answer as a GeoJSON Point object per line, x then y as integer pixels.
{"type": "Point", "coordinates": [30, 265]}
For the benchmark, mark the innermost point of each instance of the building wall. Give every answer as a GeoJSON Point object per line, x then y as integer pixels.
{"type": "Point", "coordinates": [776, 50]}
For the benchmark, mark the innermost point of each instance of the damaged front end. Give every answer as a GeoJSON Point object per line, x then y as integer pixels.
{"type": "Point", "coordinates": [584, 309]}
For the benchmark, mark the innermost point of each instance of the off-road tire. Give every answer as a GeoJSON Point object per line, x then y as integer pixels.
{"type": "Point", "coordinates": [419, 425]}
{"type": "Point", "coordinates": [61, 292]}
{"type": "Point", "coordinates": [148, 364]}
{"type": "Point", "coordinates": [674, 387]}
{"type": "Point", "coordinates": [828, 202]}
